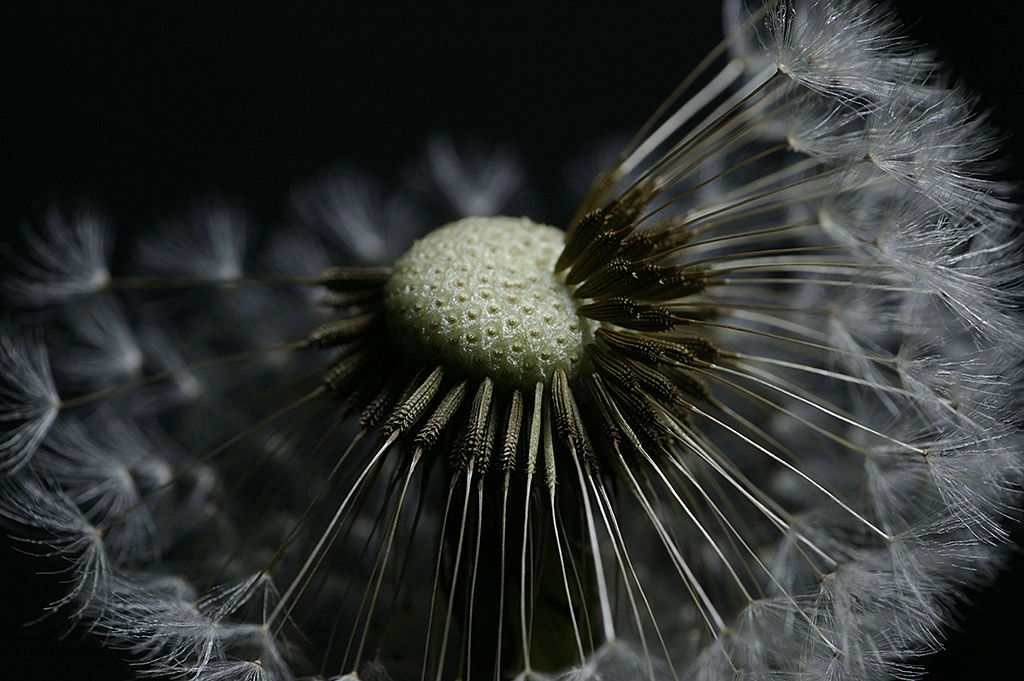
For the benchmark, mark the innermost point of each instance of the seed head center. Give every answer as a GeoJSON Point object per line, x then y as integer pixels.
{"type": "Point", "coordinates": [480, 295]}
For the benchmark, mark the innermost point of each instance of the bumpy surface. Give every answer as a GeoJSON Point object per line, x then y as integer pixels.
{"type": "Point", "coordinates": [481, 294]}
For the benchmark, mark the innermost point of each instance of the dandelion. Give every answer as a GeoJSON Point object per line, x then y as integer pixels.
{"type": "Point", "coordinates": [751, 414]}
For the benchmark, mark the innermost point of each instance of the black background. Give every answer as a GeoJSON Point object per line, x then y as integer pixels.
{"type": "Point", "coordinates": [141, 112]}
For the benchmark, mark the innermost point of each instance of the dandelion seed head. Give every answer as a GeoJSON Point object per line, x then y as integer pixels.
{"type": "Point", "coordinates": [481, 295]}
{"type": "Point", "coordinates": [752, 413]}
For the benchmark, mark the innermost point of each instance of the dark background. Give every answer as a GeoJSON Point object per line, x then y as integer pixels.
{"type": "Point", "coordinates": [141, 112]}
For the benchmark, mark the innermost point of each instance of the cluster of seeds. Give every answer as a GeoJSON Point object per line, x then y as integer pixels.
{"type": "Point", "coordinates": [754, 415]}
